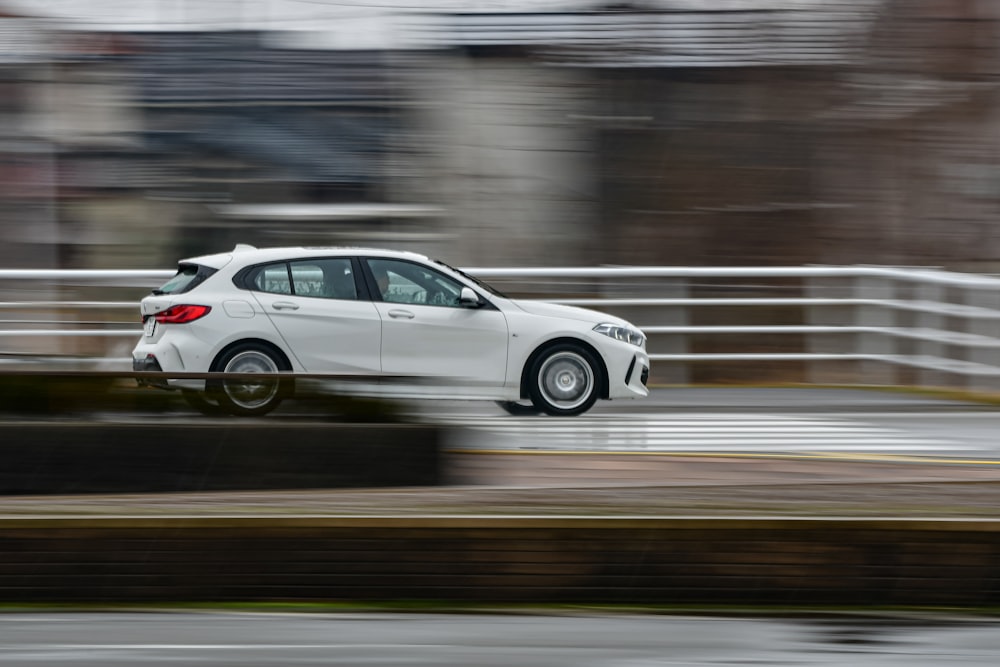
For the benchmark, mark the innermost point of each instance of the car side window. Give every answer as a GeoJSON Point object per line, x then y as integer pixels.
{"type": "Point", "coordinates": [324, 278]}
{"type": "Point", "coordinates": [272, 278]}
{"type": "Point", "coordinates": [406, 282]}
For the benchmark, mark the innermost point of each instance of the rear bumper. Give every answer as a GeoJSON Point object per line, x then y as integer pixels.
{"type": "Point", "coordinates": [162, 357]}
{"type": "Point", "coordinates": [149, 364]}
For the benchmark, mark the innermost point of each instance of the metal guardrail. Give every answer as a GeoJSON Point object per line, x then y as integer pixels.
{"type": "Point", "coordinates": [845, 324]}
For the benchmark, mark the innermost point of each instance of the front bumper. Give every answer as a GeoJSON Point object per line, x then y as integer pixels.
{"type": "Point", "coordinates": [628, 373]}
{"type": "Point", "coordinates": [642, 368]}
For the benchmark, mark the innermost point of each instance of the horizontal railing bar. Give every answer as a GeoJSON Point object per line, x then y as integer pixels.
{"type": "Point", "coordinates": [892, 273]}
{"type": "Point", "coordinates": [917, 361]}
{"type": "Point", "coordinates": [78, 323]}
{"type": "Point", "coordinates": [709, 301]}
{"type": "Point", "coordinates": [87, 274]}
{"type": "Point", "coordinates": [35, 305]}
{"type": "Point", "coordinates": [924, 306]}
{"type": "Point", "coordinates": [926, 334]}
{"type": "Point", "coordinates": [671, 272]}
{"type": "Point", "coordinates": [954, 310]}
{"type": "Point", "coordinates": [906, 274]}
{"type": "Point", "coordinates": [70, 332]}
{"type": "Point", "coordinates": [754, 329]}
{"type": "Point", "coordinates": [761, 356]}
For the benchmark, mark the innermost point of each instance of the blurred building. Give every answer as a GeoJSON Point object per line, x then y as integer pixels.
{"type": "Point", "coordinates": [660, 132]}
{"type": "Point", "coordinates": [27, 204]}
{"type": "Point", "coordinates": [755, 131]}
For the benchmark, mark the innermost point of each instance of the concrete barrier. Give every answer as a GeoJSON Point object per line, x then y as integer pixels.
{"type": "Point", "coordinates": [155, 456]}
{"type": "Point", "coordinates": [784, 562]}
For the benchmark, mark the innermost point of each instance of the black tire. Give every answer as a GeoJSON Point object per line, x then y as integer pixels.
{"type": "Point", "coordinates": [564, 380]}
{"type": "Point", "coordinates": [518, 409]}
{"type": "Point", "coordinates": [254, 396]}
{"type": "Point", "coordinates": [204, 403]}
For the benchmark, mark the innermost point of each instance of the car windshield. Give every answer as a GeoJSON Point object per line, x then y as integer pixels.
{"type": "Point", "coordinates": [188, 277]}
{"type": "Point", "coordinates": [486, 286]}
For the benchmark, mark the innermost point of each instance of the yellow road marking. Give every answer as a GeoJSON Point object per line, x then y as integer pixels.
{"type": "Point", "coordinates": [844, 456]}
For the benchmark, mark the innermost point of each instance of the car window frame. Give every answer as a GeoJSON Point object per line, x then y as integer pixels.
{"type": "Point", "coordinates": [317, 260]}
{"type": "Point", "coordinates": [244, 277]}
{"type": "Point", "coordinates": [376, 295]}
{"type": "Point", "coordinates": [201, 274]}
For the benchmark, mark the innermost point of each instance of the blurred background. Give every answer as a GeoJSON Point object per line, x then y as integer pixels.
{"type": "Point", "coordinates": [503, 132]}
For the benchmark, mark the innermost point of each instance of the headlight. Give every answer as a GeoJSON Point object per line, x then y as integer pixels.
{"type": "Point", "coordinates": [624, 334]}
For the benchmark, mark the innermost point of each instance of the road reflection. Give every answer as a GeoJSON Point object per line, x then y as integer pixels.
{"type": "Point", "coordinates": [573, 638]}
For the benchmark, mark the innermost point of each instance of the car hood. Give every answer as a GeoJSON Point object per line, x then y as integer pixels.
{"type": "Point", "coordinates": [570, 312]}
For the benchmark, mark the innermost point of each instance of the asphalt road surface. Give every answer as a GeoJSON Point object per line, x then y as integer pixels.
{"type": "Point", "coordinates": [487, 640]}
{"type": "Point", "coordinates": [744, 421]}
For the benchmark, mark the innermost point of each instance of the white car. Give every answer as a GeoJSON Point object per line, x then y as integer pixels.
{"type": "Point", "coordinates": [377, 313]}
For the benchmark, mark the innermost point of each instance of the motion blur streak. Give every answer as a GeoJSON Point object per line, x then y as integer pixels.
{"type": "Point", "coordinates": [515, 132]}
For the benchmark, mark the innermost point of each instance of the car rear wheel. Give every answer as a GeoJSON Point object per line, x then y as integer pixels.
{"type": "Point", "coordinates": [254, 395]}
{"type": "Point", "coordinates": [203, 402]}
{"type": "Point", "coordinates": [518, 409]}
{"type": "Point", "coordinates": [564, 380]}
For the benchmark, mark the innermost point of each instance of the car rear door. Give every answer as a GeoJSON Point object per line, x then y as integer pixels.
{"type": "Point", "coordinates": [322, 312]}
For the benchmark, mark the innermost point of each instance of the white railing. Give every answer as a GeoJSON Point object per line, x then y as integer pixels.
{"type": "Point", "coordinates": [851, 325]}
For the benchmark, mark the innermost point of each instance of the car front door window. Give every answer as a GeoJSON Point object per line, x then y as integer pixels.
{"type": "Point", "coordinates": [409, 283]}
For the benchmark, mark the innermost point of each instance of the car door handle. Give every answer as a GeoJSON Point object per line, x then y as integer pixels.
{"type": "Point", "coordinates": [396, 314]}
{"type": "Point", "coordinates": [284, 305]}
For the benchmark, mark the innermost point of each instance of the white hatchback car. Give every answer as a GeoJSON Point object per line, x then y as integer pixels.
{"type": "Point", "coordinates": [378, 313]}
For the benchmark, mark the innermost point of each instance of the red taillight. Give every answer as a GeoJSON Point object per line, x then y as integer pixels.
{"type": "Point", "coordinates": [182, 314]}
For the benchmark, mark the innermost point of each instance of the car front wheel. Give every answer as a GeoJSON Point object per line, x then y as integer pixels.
{"type": "Point", "coordinates": [253, 395]}
{"type": "Point", "coordinates": [564, 380]}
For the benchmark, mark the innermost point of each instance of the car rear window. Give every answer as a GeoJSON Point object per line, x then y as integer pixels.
{"type": "Point", "coordinates": [188, 277]}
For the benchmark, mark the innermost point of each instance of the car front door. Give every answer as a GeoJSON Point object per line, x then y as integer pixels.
{"type": "Point", "coordinates": [315, 306]}
{"type": "Point", "coordinates": [426, 331]}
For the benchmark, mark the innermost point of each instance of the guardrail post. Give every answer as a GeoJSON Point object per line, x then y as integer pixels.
{"type": "Point", "coordinates": [932, 293]}
{"type": "Point", "coordinates": [875, 343]}
{"type": "Point", "coordinates": [677, 372]}
{"type": "Point", "coordinates": [984, 326]}
{"type": "Point", "coordinates": [829, 372]}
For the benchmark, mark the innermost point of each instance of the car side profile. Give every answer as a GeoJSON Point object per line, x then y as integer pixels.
{"type": "Point", "coordinates": [378, 313]}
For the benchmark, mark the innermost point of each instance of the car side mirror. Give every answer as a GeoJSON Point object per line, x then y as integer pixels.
{"type": "Point", "coordinates": [469, 299]}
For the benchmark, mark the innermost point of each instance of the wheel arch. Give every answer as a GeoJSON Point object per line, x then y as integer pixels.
{"type": "Point", "coordinates": [214, 368]}
{"type": "Point", "coordinates": [603, 386]}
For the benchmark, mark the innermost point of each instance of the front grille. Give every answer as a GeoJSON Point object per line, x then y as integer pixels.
{"type": "Point", "coordinates": [644, 378]}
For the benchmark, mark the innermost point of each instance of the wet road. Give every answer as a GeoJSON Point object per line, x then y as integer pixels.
{"type": "Point", "coordinates": [745, 421]}
{"type": "Point", "coordinates": [487, 640]}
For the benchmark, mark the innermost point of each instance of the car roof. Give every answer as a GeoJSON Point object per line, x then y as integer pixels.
{"type": "Point", "coordinates": [245, 254]}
